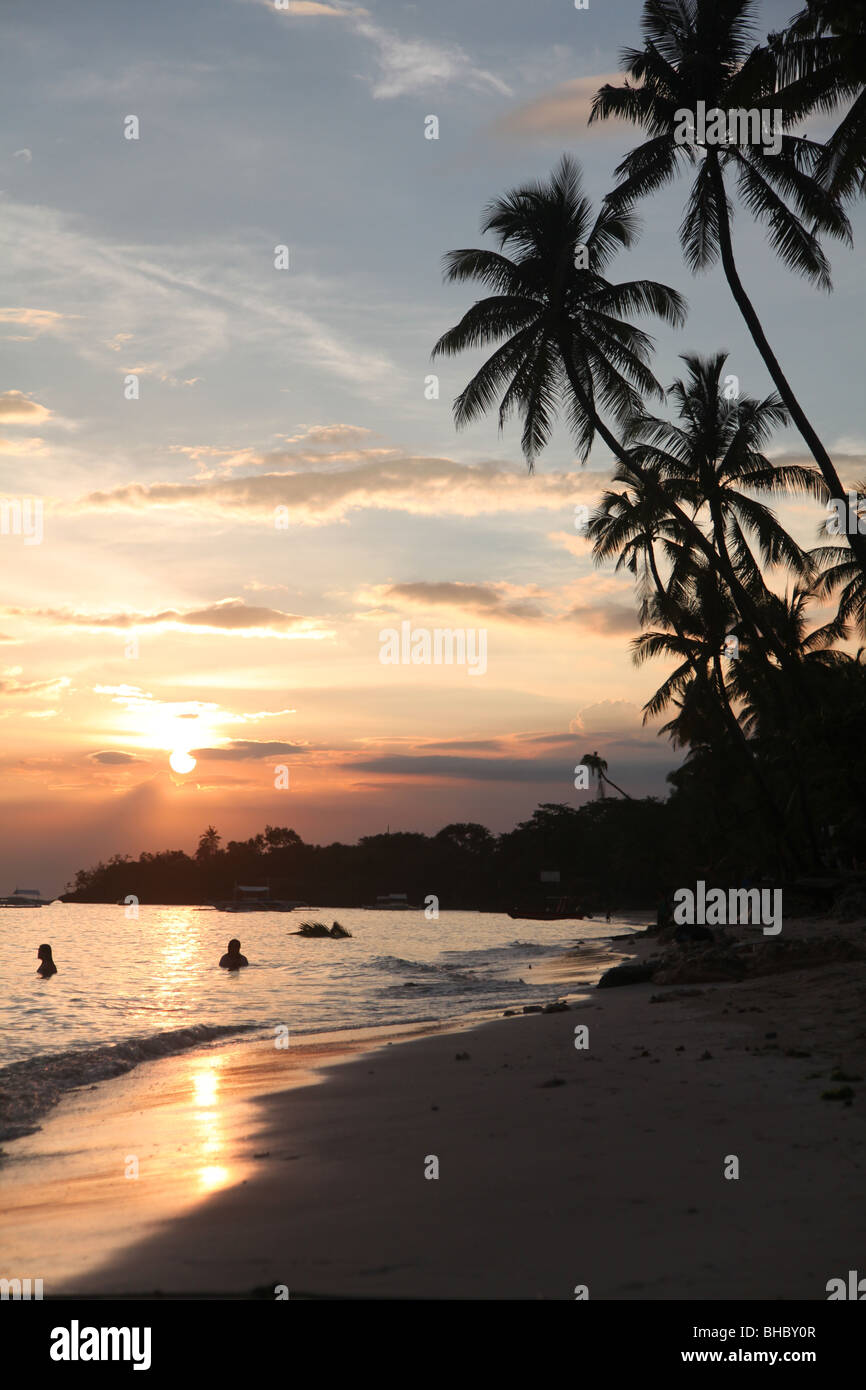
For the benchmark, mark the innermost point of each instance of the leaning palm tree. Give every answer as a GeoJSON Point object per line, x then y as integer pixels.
{"type": "Point", "coordinates": [598, 768]}
{"type": "Point", "coordinates": [703, 51]}
{"type": "Point", "coordinates": [566, 348]}
{"type": "Point", "coordinates": [567, 345]}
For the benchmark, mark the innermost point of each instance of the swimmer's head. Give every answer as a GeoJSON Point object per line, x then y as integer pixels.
{"type": "Point", "coordinates": [44, 952]}
{"type": "Point", "coordinates": [234, 946]}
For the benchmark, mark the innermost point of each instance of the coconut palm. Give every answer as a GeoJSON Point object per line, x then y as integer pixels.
{"type": "Point", "coordinates": [713, 454]}
{"type": "Point", "coordinates": [822, 58]}
{"type": "Point", "coordinates": [696, 606]}
{"type": "Point", "coordinates": [567, 345]}
{"type": "Point", "coordinates": [704, 51]}
{"type": "Point", "coordinates": [598, 768]}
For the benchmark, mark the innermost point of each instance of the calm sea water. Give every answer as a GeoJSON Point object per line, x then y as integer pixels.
{"type": "Point", "coordinates": [128, 990]}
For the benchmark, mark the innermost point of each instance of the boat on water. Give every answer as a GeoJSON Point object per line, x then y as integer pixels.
{"type": "Point", "coordinates": [257, 898]}
{"type": "Point", "coordinates": [25, 897]}
{"type": "Point", "coordinates": [391, 902]}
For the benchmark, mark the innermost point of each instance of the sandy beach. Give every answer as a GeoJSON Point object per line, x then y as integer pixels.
{"type": "Point", "coordinates": [558, 1166]}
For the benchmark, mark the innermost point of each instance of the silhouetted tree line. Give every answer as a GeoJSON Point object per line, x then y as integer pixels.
{"type": "Point", "coordinates": [605, 851]}
{"type": "Point", "coordinates": [608, 852]}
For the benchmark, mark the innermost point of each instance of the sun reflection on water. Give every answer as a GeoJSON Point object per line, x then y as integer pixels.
{"type": "Point", "coordinates": [208, 1121]}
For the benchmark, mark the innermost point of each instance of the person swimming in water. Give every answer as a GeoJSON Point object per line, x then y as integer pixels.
{"type": "Point", "coordinates": [47, 968]}
{"type": "Point", "coordinates": [233, 960]}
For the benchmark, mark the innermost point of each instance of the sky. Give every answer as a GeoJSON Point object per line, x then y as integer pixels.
{"type": "Point", "coordinates": [244, 470]}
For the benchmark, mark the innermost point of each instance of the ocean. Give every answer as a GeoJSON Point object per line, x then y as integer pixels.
{"type": "Point", "coordinates": [132, 990]}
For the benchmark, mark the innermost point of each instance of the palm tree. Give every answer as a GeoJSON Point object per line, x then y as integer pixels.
{"type": "Point", "coordinates": [208, 845]}
{"type": "Point", "coordinates": [598, 768]}
{"type": "Point", "coordinates": [566, 345]}
{"type": "Point", "coordinates": [704, 51]}
{"type": "Point", "coordinates": [711, 460]}
{"type": "Point", "coordinates": [822, 58]}
{"type": "Point", "coordinates": [714, 456]}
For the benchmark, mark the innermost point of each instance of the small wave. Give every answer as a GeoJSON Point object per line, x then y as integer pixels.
{"type": "Point", "coordinates": [397, 965]}
{"type": "Point", "coordinates": [492, 955]}
{"type": "Point", "coordinates": [30, 1088]}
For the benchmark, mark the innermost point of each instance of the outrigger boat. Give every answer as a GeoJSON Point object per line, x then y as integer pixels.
{"type": "Point", "coordinates": [257, 898]}
{"type": "Point", "coordinates": [391, 902]}
{"type": "Point", "coordinates": [25, 897]}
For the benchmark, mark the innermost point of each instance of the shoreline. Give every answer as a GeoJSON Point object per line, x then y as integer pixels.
{"type": "Point", "coordinates": [559, 1167]}
{"type": "Point", "coordinates": [31, 1086]}
{"type": "Point", "coordinates": [191, 1119]}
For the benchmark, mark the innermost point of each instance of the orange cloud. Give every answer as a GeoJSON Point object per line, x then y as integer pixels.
{"type": "Point", "coordinates": [562, 112]}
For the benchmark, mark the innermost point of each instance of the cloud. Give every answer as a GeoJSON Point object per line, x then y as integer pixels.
{"type": "Point", "coordinates": [571, 541]}
{"type": "Point", "coordinates": [242, 749]}
{"type": "Point", "coordinates": [260, 714]}
{"type": "Point", "coordinates": [16, 408]}
{"type": "Point", "coordinates": [562, 112]}
{"type": "Point", "coordinates": [21, 448]}
{"type": "Point", "coordinates": [39, 320]}
{"type": "Point", "coordinates": [232, 615]}
{"type": "Point", "coordinates": [408, 66]}
{"type": "Point", "coordinates": [329, 437]}
{"type": "Point", "coordinates": [473, 745]}
{"type": "Point", "coordinates": [336, 443]}
{"type": "Point", "coordinates": [111, 759]}
{"type": "Point", "coordinates": [10, 685]}
{"type": "Point", "coordinates": [25, 154]}
{"type": "Point", "coordinates": [607, 717]}
{"type": "Point", "coordinates": [314, 9]}
{"type": "Point", "coordinates": [123, 692]}
{"type": "Point", "coordinates": [318, 496]}
{"type": "Point", "coordinates": [182, 304]}
{"type": "Point", "coordinates": [509, 603]}
{"type": "Point", "coordinates": [604, 618]}
{"type": "Point", "coordinates": [467, 769]}
{"type": "Point", "coordinates": [489, 599]}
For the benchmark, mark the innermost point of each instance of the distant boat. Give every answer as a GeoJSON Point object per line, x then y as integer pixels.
{"type": "Point", "coordinates": [257, 898]}
{"type": "Point", "coordinates": [391, 902]}
{"type": "Point", "coordinates": [25, 897]}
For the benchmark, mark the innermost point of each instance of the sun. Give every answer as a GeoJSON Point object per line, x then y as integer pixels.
{"type": "Point", "coordinates": [181, 761]}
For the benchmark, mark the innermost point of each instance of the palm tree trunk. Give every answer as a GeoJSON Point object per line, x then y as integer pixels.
{"type": "Point", "coordinates": [856, 541]}
{"type": "Point", "coordinates": [605, 778]}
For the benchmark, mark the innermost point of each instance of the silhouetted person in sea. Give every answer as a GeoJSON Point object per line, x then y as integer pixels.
{"type": "Point", "coordinates": [233, 960]}
{"type": "Point", "coordinates": [47, 968]}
